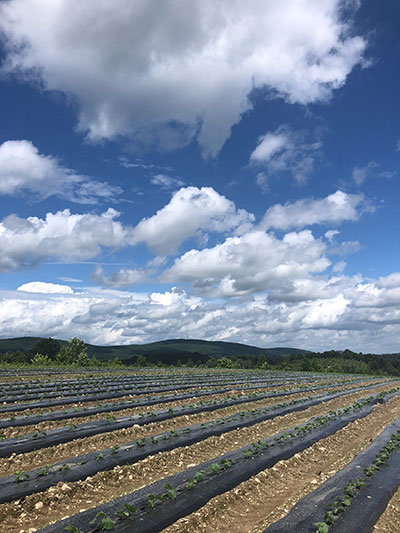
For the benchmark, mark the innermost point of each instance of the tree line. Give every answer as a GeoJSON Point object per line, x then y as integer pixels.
{"type": "Point", "coordinates": [50, 352]}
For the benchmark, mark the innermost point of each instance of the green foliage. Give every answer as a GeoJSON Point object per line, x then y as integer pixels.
{"type": "Point", "coordinates": [141, 361]}
{"type": "Point", "coordinates": [322, 527]}
{"type": "Point", "coordinates": [73, 529]}
{"type": "Point", "coordinates": [41, 360]}
{"type": "Point", "coordinates": [225, 362]}
{"type": "Point", "coordinates": [103, 520]}
{"type": "Point", "coordinates": [49, 347]}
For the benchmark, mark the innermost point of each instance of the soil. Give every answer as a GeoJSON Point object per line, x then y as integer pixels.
{"type": "Point", "coordinates": [389, 521]}
{"type": "Point", "coordinates": [281, 486]}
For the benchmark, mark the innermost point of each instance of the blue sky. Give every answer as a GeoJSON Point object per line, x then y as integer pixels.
{"type": "Point", "coordinates": [217, 170]}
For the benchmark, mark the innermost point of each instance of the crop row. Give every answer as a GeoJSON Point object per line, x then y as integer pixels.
{"type": "Point", "coordinates": [163, 500]}
{"type": "Point", "coordinates": [162, 503]}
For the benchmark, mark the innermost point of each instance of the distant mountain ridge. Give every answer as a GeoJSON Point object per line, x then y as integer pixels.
{"type": "Point", "coordinates": [167, 347]}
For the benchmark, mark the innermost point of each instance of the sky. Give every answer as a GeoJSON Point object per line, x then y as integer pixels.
{"type": "Point", "coordinates": [209, 169]}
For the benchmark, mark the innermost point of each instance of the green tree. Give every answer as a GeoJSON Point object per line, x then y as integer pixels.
{"type": "Point", "coordinates": [141, 361]}
{"type": "Point", "coordinates": [225, 362]}
{"type": "Point", "coordinates": [49, 347]}
{"type": "Point", "coordinates": [74, 353]}
{"type": "Point", "coordinates": [41, 360]}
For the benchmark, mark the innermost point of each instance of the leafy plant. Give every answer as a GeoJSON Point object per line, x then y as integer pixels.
{"type": "Point", "coordinates": [73, 529]}
{"type": "Point", "coordinates": [21, 476]}
{"type": "Point", "coordinates": [171, 493]}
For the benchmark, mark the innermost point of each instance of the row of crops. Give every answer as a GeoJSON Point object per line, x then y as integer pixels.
{"type": "Point", "coordinates": [198, 451]}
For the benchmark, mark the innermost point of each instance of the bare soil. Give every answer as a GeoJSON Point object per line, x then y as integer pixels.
{"type": "Point", "coordinates": [389, 521]}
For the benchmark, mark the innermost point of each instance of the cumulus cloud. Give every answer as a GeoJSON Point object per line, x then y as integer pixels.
{"type": "Point", "coordinates": [350, 312]}
{"type": "Point", "coordinates": [24, 169]}
{"type": "Point", "coordinates": [190, 213]}
{"type": "Point", "coordinates": [250, 263]}
{"type": "Point", "coordinates": [26, 242]}
{"type": "Point", "coordinates": [284, 150]}
{"type": "Point", "coordinates": [333, 209]}
{"type": "Point", "coordinates": [122, 279]}
{"type": "Point", "coordinates": [161, 72]}
{"type": "Point", "coordinates": [45, 288]}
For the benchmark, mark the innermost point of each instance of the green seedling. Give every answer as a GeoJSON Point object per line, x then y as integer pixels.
{"type": "Point", "coordinates": [21, 476]}
{"type": "Point", "coordinates": [171, 493]}
{"type": "Point", "coordinates": [151, 501]}
{"type": "Point", "coordinates": [45, 471]}
{"type": "Point", "coordinates": [322, 527]}
{"type": "Point", "coordinates": [73, 529]}
{"type": "Point", "coordinates": [99, 456]}
{"type": "Point", "coordinates": [189, 485]}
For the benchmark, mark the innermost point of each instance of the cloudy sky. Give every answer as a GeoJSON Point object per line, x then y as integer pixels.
{"type": "Point", "coordinates": [214, 169]}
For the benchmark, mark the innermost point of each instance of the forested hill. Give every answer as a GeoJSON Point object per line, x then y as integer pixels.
{"type": "Point", "coordinates": [192, 352]}
{"type": "Point", "coordinates": [168, 350]}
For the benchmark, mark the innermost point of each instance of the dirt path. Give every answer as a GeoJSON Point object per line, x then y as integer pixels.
{"type": "Point", "coordinates": [67, 499]}
{"type": "Point", "coordinates": [389, 521]}
{"type": "Point", "coordinates": [257, 503]}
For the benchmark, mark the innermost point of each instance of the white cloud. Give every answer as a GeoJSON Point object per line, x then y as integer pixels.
{"type": "Point", "coordinates": [345, 248]}
{"type": "Point", "coordinates": [331, 234]}
{"type": "Point", "coordinates": [162, 71]}
{"type": "Point", "coordinates": [62, 235]}
{"type": "Point", "coordinates": [190, 213]}
{"type": "Point", "coordinates": [253, 262]}
{"type": "Point", "coordinates": [333, 209]}
{"type": "Point", "coordinates": [339, 266]}
{"type": "Point", "coordinates": [284, 150]}
{"type": "Point", "coordinates": [360, 174]}
{"type": "Point", "coordinates": [24, 169]}
{"type": "Point", "coordinates": [122, 279]}
{"type": "Point", "coordinates": [166, 182]}
{"type": "Point", "coordinates": [268, 145]}
{"type": "Point", "coordinates": [363, 315]}
{"type": "Point", "coordinates": [45, 288]}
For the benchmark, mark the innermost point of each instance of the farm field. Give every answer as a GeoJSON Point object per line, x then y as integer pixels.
{"type": "Point", "coordinates": [198, 450]}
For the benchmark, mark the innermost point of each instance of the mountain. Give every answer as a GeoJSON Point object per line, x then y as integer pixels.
{"type": "Point", "coordinates": [170, 349]}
